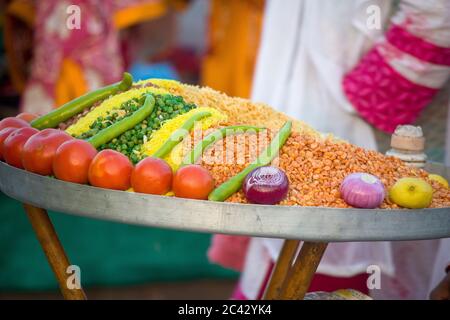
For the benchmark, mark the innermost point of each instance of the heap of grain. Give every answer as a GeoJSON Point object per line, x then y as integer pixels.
{"type": "Point", "coordinates": [315, 164]}
{"type": "Point", "coordinates": [239, 111]}
{"type": "Point", "coordinates": [315, 167]}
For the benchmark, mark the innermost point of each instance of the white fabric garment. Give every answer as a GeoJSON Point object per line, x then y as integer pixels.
{"type": "Point", "coordinates": [447, 146]}
{"type": "Point", "coordinates": [307, 46]}
{"type": "Point", "coordinates": [420, 267]}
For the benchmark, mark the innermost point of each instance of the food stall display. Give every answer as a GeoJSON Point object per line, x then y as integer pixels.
{"type": "Point", "coordinates": [164, 141]}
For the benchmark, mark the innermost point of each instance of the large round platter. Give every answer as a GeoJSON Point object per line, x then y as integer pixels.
{"type": "Point", "coordinates": [305, 223]}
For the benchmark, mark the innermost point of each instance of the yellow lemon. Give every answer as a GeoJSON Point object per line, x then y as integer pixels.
{"type": "Point", "coordinates": [438, 178]}
{"type": "Point", "coordinates": [412, 193]}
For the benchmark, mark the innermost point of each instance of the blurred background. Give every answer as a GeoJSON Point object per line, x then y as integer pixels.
{"type": "Point", "coordinates": [154, 39]}
{"type": "Point", "coordinates": [44, 64]}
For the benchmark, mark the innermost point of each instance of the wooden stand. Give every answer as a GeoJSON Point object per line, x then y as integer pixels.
{"type": "Point", "coordinates": [53, 249]}
{"type": "Point", "coordinates": [290, 279]}
{"type": "Point", "coordinates": [293, 273]}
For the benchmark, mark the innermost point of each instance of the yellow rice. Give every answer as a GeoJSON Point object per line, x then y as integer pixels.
{"type": "Point", "coordinates": [159, 137]}
{"type": "Point", "coordinates": [112, 103]}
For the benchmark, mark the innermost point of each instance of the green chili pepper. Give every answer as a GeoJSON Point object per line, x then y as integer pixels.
{"type": "Point", "coordinates": [228, 188]}
{"type": "Point", "coordinates": [213, 137]}
{"type": "Point", "coordinates": [72, 108]}
{"type": "Point", "coordinates": [179, 134]}
{"type": "Point", "coordinates": [115, 130]}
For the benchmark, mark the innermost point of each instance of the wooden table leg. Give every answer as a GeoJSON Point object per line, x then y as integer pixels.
{"type": "Point", "coordinates": [53, 249]}
{"type": "Point", "coordinates": [301, 273]}
{"type": "Point", "coordinates": [282, 267]}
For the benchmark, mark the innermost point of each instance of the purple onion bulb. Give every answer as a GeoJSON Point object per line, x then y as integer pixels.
{"type": "Point", "coordinates": [266, 185]}
{"type": "Point", "coordinates": [363, 190]}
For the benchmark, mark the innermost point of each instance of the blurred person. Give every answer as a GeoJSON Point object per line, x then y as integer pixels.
{"type": "Point", "coordinates": [324, 63]}
{"type": "Point", "coordinates": [233, 39]}
{"type": "Point", "coordinates": [76, 45]}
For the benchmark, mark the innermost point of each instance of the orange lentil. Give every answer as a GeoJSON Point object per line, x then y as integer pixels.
{"type": "Point", "coordinates": [316, 167]}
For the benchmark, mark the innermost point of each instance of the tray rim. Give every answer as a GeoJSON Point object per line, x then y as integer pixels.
{"type": "Point", "coordinates": [314, 223]}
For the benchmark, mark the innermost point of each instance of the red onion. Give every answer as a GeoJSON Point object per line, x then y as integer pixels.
{"type": "Point", "coordinates": [362, 190]}
{"type": "Point", "coordinates": [266, 185]}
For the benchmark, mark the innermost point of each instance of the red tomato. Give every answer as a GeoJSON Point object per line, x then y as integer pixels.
{"type": "Point", "coordinates": [39, 151]}
{"type": "Point", "coordinates": [3, 135]}
{"type": "Point", "coordinates": [13, 145]}
{"type": "Point", "coordinates": [13, 123]}
{"type": "Point", "coordinates": [28, 117]}
{"type": "Point", "coordinates": [72, 160]}
{"type": "Point", "coordinates": [193, 182]}
{"type": "Point", "coordinates": [110, 170]}
{"type": "Point", "coordinates": [152, 176]}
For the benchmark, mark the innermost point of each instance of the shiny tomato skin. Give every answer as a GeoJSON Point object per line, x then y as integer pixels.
{"type": "Point", "coordinates": [110, 170]}
{"type": "Point", "coordinates": [13, 145]}
{"type": "Point", "coordinates": [13, 123]}
{"type": "Point", "coordinates": [152, 176]}
{"type": "Point", "coordinates": [3, 135]}
{"type": "Point", "coordinates": [72, 160]}
{"type": "Point", "coordinates": [28, 117]}
{"type": "Point", "coordinates": [192, 182]}
{"type": "Point", "coordinates": [39, 151]}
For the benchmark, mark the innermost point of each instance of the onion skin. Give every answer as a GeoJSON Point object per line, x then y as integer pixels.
{"type": "Point", "coordinates": [363, 190]}
{"type": "Point", "coordinates": [266, 185]}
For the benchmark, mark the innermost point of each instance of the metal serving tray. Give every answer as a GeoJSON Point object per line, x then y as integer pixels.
{"type": "Point", "coordinates": [288, 222]}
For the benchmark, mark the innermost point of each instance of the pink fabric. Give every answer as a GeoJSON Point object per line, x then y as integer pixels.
{"type": "Point", "coordinates": [382, 96]}
{"type": "Point", "coordinates": [94, 46]}
{"type": "Point", "coordinates": [228, 251]}
{"type": "Point", "coordinates": [417, 47]}
{"type": "Point", "coordinates": [238, 294]}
